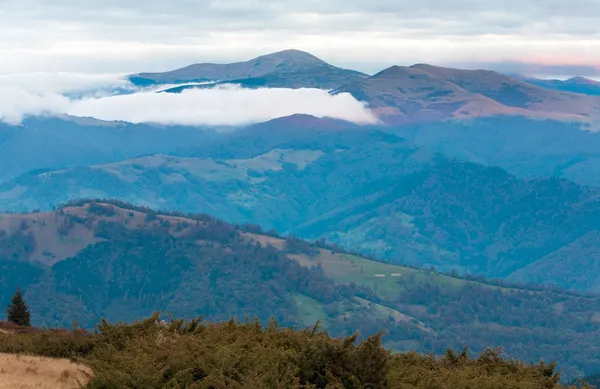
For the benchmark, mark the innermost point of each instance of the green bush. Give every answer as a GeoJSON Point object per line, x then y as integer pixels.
{"type": "Point", "coordinates": [195, 354]}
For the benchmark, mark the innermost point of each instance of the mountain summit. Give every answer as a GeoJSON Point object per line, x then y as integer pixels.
{"type": "Point", "coordinates": [401, 95]}
{"type": "Point", "coordinates": [288, 68]}
{"type": "Point", "coordinates": [426, 93]}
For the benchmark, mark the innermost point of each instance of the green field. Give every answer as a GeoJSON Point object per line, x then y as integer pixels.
{"type": "Point", "coordinates": [309, 310]}
{"type": "Point", "coordinates": [387, 280]}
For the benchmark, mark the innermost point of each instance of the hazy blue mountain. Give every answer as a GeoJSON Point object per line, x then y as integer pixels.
{"type": "Point", "coordinates": [528, 148]}
{"type": "Point", "coordinates": [368, 190]}
{"type": "Point", "coordinates": [40, 144]}
{"type": "Point", "coordinates": [284, 69]}
{"type": "Point", "coordinates": [110, 260]}
{"type": "Point", "coordinates": [575, 84]}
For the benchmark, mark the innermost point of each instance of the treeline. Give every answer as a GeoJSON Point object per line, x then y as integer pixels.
{"type": "Point", "coordinates": [232, 354]}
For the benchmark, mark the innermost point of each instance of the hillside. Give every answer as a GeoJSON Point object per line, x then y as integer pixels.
{"type": "Point", "coordinates": [525, 147]}
{"type": "Point", "coordinates": [284, 69]}
{"type": "Point", "coordinates": [369, 191]}
{"type": "Point", "coordinates": [425, 93]}
{"type": "Point", "coordinates": [401, 95]}
{"type": "Point", "coordinates": [123, 263]}
{"type": "Point", "coordinates": [50, 143]}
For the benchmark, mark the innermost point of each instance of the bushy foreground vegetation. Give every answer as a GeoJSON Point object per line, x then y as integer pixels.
{"type": "Point", "coordinates": [196, 354]}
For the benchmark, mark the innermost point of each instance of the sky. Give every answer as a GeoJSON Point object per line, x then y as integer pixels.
{"type": "Point", "coordinates": [115, 36]}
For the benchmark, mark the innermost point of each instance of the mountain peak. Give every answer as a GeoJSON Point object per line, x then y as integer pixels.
{"type": "Point", "coordinates": [582, 80]}
{"type": "Point", "coordinates": [396, 70]}
{"type": "Point", "coordinates": [275, 69]}
{"type": "Point", "coordinates": [291, 55]}
{"type": "Point", "coordinates": [304, 121]}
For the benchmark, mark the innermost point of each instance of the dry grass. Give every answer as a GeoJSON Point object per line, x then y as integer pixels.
{"type": "Point", "coordinates": [265, 240]}
{"type": "Point", "coordinates": [26, 372]}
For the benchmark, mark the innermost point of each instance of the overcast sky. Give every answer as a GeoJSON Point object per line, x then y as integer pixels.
{"type": "Point", "coordinates": [108, 36]}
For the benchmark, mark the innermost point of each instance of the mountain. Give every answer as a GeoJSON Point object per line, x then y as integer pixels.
{"type": "Point", "coordinates": [511, 92]}
{"type": "Point", "coordinates": [367, 190]}
{"type": "Point", "coordinates": [425, 93]}
{"type": "Point", "coordinates": [529, 148]}
{"type": "Point", "coordinates": [106, 259]}
{"type": "Point", "coordinates": [284, 69]}
{"type": "Point", "coordinates": [400, 95]}
{"type": "Point", "coordinates": [575, 84]}
{"type": "Point", "coordinates": [54, 143]}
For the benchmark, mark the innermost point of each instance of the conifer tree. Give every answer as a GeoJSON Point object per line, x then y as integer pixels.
{"type": "Point", "coordinates": [18, 312]}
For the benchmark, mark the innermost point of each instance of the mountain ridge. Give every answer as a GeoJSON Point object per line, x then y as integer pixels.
{"type": "Point", "coordinates": [575, 84]}
{"type": "Point", "coordinates": [425, 93]}
{"type": "Point", "coordinates": [370, 191]}
{"type": "Point", "coordinates": [399, 94]}
{"type": "Point", "coordinates": [288, 68]}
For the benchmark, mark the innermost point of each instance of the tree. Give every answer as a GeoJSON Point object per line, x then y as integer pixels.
{"type": "Point", "coordinates": [18, 312]}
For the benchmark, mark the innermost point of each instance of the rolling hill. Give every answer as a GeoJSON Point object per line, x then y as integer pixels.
{"type": "Point", "coordinates": [284, 69]}
{"type": "Point", "coordinates": [369, 191]}
{"type": "Point", "coordinates": [123, 262]}
{"type": "Point", "coordinates": [51, 143]}
{"type": "Point", "coordinates": [528, 148]}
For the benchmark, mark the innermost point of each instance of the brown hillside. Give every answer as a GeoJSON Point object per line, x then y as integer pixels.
{"type": "Point", "coordinates": [516, 93]}
{"type": "Point", "coordinates": [423, 93]}
{"type": "Point", "coordinates": [63, 233]}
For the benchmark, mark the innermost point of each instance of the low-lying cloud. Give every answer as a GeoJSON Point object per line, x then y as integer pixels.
{"type": "Point", "coordinates": [229, 105]}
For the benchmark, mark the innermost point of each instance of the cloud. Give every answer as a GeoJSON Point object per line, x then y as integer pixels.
{"type": "Point", "coordinates": [15, 103]}
{"type": "Point", "coordinates": [153, 35]}
{"type": "Point", "coordinates": [224, 105]}
{"type": "Point", "coordinates": [92, 96]}
{"type": "Point", "coordinates": [50, 93]}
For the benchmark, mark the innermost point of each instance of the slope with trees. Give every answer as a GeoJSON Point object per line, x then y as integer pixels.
{"type": "Point", "coordinates": [368, 191]}
{"type": "Point", "coordinates": [139, 261]}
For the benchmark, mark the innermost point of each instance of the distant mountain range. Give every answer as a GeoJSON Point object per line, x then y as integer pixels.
{"type": "Point", "coordinates": [576, 84]}
{"type": "Point", "coordinates": [402, 95]}
{"type": "Point", "coordinates": [425, 93]}
{"type": "Point", "coordinates": [380, 189]}
{"type": "Point", "coordinates": [365, 189]}
{"type": "Point", "coordinates": [91, 260]}
{"type": "Point", "coordinates": [41, 143]}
